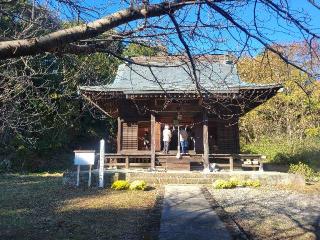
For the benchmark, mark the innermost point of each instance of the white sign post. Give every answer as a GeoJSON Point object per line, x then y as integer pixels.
{"type": "Point", "coordinates": [84, 157]}
{"type": "Point", "coordinates": [101, 163]}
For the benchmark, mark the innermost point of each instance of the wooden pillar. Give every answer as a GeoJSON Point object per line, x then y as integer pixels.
{"type": "Point", "coordinates": [153, 141]}
{"type": "Point", "coordinates": [127, 162]}
{"type": "Point", "coordinates": [205, 141]}
{"type": "Point", "coordinates": [231, 163]}
{"type": "Point", "coordinates": [119, 135]}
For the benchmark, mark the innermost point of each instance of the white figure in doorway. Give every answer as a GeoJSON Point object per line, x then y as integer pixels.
{"type": "Point", "coordinates": [166, 138]}
{"type": "Point", "coordinates": [183, 141]}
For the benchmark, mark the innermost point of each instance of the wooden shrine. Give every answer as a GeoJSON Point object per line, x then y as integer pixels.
{"type": "Point", "coordinates": [153, 91]}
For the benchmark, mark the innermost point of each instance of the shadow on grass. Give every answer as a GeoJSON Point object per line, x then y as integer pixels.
{"type": "Point", "coordinates": [149, 188]}
{"type": "Point", "coordinates": [39, 207]}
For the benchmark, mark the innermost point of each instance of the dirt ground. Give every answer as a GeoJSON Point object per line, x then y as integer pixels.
{"type": "Point", "coordinates": [272, 213]}
{"type": "Point", "coordinates": [40, 207]}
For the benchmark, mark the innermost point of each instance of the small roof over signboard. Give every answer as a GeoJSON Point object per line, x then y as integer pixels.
{"type": "Point", "coordinates": [174, 74]}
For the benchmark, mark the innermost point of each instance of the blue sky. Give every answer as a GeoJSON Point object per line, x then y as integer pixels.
{"type": "Point", "coordinates": [274, 30]}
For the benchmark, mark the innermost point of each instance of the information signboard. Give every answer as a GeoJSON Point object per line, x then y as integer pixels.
{"type": "Point", "coordinates": [84, 157]}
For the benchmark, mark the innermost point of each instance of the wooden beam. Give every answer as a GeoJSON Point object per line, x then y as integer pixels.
{"type": "Point", "coordinates": [119, 135]}
{"type": "Point", "coordinates": [205, 141]}
{"type": "Point", "coordinates": [153, 141]}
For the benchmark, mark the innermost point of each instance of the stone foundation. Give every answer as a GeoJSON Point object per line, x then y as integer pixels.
{"type": "Point", "coordinates": [179, 177]}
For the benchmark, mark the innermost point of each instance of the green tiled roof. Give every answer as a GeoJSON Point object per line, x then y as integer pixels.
{"type": "Point", "coordinates": [176, 77]}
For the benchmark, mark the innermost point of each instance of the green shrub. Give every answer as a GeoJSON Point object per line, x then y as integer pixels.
{"type": "Point", "coordinates": [223, 184]}
{"type": "Point", "coordinates": [233, 182]}
{"type": "Point", "coordinates": [237, 182]}
{"type": "Point", "coordinates": [252, 183]}
{"type": "Point", "coordinates": [120, 185]}
{"type": "Point", "coordinates": [282, 150]}
{"type": "Point", "coordinates": [304, 170]}
{"type": "Point", "coordinates": [138, 185]}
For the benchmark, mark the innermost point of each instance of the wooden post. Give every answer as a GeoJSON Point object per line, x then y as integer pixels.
{"type": "Point", "coordinates": [78, 175]}
{"type": "Point", "coordinates": [153, 142]}
{"type": "Point", "coordinates": [119, 135]}
{"type": "Point", "coordinates": [231, 163]}
{"type": "Point", "coordinates": [89, 179]}
{"type": "Point", "coordinates": [179, 150]}
{"type": "Point", "coordinates": [205, 142]}
{"type": "Point", "coordinates": [127, 162]}
{"type": "Point", "coordinates": [101, 163]}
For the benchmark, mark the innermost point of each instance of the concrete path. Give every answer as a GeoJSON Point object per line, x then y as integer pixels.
{"type": "Point", "coordinates": [186, 215]}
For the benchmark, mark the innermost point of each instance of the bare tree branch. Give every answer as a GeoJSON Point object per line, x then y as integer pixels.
{"type": "Point", "coordinates": [248, 33]}
{"type": "Point", "coordinates": [54, 41]}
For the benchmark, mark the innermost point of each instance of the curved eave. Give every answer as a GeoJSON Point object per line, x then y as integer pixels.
{"type": "Point", "coordinates": [129, 94]}
{"type": "Point", "coordinates": [241, 99]}
{"type": "Point", "coordinates": [252, 98]}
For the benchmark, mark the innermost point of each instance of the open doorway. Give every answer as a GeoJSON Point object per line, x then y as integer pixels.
{"type": "Point", "coordinates": [144, 135]}
{"type": "Point", "coordinates": [173, 146]}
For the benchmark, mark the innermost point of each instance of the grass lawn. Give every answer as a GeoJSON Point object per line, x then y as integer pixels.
{"type": "Point", "coordinates": [38, 206]}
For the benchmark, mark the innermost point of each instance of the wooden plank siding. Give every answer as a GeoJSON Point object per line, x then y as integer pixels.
{"type": "Point", "coordinates": [129, 140]}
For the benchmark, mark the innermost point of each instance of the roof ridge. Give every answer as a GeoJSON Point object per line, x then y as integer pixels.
{"type": "Point", "coordinates": [221, 58]}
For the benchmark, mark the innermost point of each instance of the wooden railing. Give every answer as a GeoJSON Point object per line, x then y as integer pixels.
{"type": "Point", "coordinates": [143, 160]}
{"type": "Point", "coordinates": [127, 160]}
{"type": "Point", "coordinates": [246, 160]}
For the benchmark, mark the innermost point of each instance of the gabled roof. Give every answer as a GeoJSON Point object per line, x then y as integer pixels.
{"type": "Point", "coordinates": [173, 74]}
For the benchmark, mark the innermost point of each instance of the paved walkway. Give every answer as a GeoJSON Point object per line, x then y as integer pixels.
{"type": "Point", "coordinates": [186, 215]}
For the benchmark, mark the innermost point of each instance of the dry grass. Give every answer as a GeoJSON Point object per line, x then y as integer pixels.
{"type": "Point", "coordinates": [308, 189]}
{"type": "Point", "coordinates": [39, 207]}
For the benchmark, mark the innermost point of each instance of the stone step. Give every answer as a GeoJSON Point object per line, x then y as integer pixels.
{"type": "Point", "coordinates": [176, 174]}
{"type": "Point", "coordinates": [152, 181]}
{"type": "Point", "coordinates": [178, 165]}
{"type": "Point", "coordinates": [184, 177]}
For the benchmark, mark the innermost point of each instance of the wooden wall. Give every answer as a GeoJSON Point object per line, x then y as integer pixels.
{"type": "Point", "coordinates": [223, 136]}
{"type": "Point", "coordinates": [227, 139]}
{"type": "Point", "coordinates": [129, 136]}
{"type": "Point", "coordinates": [132, 134]}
